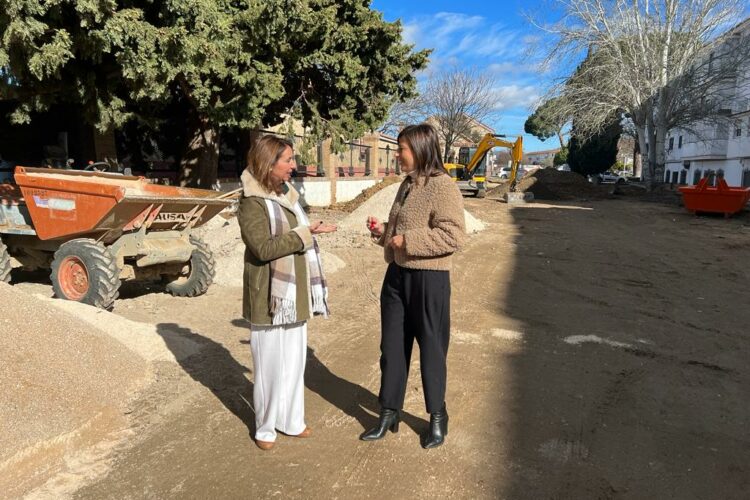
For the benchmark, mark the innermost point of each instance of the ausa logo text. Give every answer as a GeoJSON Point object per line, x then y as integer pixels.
{"type": "Point", "coordinates": [172, 217]}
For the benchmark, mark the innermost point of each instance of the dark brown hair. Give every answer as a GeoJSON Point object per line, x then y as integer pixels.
{"type": "Point", "coordinates": [263, 155]}
{"type": "Point", "coordinates": [425, 147]}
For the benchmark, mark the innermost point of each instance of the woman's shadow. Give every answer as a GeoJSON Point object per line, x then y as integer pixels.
{"type": "Point", "coordinates": [216, 369]}
{"type": "Point", "coordinates": [352, 399]}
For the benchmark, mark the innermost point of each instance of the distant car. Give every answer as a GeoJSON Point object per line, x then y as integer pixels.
{"type": "Point", "coordinates": [564, 167]}
{"type": "Point", "coordinates": [505, 173]}
{"type": "Point", "coordinates": [607, 178]}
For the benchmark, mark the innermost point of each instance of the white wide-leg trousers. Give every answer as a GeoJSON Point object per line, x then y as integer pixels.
{"type": "Point", "coordinates": [279, 355]}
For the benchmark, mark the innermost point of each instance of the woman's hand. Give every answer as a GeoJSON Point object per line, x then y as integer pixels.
{"type": "Point", "coordinates": [319, 227]}
{"type": "Point", "coordinates": [397, 242]}
{"type": "Point", "coordinates": [375, 226]}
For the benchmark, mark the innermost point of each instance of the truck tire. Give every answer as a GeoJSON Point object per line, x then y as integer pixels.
{"type": "Point", "coordinates": [85, 271]}
{"type": "Point", "coordinates": [4, 263]}
{"type": "Point", "coordinates": [200, 273]}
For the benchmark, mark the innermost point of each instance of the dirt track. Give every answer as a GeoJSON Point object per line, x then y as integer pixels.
{"type": "Point", "coordinates": [599, 350]}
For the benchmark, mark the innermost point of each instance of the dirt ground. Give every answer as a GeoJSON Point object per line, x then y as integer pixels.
{"type": "Point", "coordinates": [599, 350]}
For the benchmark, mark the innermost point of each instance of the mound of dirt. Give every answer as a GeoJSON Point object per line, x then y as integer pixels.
{"type": "Point", "coordinates": [551, 184]}
{"type": "Point", "coordinates": [352, 230]}
{"type": "Point", "coordinates": [66, 387]}
{"type": "Point", "coordinates": [224, 238]}
{"type": "Point", "coordinates": [368, 193]}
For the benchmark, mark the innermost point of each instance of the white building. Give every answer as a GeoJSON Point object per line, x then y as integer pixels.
{"type": "Point", "coordinates": [721, 148]}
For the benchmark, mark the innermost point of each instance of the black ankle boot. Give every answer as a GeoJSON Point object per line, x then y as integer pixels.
{"type": "Point", "coordinates": [438, 429]}
{"type": "Point", "coordinates": [389, 419]}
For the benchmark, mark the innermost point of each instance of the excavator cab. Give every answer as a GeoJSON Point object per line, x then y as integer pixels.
{"type": "Point", "coordinates": [470, 172]}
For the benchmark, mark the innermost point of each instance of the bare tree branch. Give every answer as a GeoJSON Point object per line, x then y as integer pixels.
{"type": "Point", "coordinates": [663, 63]}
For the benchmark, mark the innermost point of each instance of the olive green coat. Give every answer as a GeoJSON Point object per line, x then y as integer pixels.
{"type": "Point", "coordinates": [261, 248]}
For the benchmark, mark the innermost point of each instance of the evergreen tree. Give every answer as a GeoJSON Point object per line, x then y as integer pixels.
{"type": "Point", "coordinates": [597, 153]}
{"type": "Point", "coordinates": [336, 64]}
{"type": "Point", "coordinates": [548, 120]}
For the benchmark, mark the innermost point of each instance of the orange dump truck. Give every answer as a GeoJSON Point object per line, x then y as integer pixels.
{"type": "Point", "coordinates": [94, 230]}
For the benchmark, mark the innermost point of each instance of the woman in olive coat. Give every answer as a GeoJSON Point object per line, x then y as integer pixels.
{"type": "Point", "coordinates": [283, 286]}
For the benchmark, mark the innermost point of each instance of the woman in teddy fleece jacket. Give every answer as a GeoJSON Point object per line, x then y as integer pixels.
{"type": "Point", "coordinates": [425, 227]}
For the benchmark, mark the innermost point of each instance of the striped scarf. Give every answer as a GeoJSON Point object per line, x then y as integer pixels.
{"type": "Point", "coordinates": [283, 279]}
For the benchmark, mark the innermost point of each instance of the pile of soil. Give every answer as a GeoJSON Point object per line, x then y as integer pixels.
{"type": "Point", "coordinates": [66, 386]}
{"type": "Point", "coordinates": [380, 205]}
{"type": "Point", "coordinates": [552, 184]}
{"type": "Point", "coordinates": [352, 232]}
{"type": "Point", "coordinates": [224, 238]}
{"type": "Point", "coordinates": [350, 206]}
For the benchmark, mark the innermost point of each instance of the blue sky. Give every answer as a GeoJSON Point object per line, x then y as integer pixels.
{"type": "Point", "coordinates": [493, 36]}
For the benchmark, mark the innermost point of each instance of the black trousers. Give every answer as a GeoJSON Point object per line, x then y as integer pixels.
{"type": "Point", "coordinates": [414, 304]}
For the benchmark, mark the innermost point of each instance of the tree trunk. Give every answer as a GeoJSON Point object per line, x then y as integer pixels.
{"type": "Point", "coordinates": [661, 130]}
{"type": "Point", "coordinates": [200, 159]}
{"type": "Point", "coordinates": [639, 146]}
{"type": "Point", "coordinates": [640, 151]}
{"type": "Point", "coordinates": [560, 138]}
{"type": "Point", "coordinates": [650, 171]}
{"type": "Point", "coordinates": [446, 152]}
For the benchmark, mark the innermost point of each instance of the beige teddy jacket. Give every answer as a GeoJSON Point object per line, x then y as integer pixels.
{"type": "Point", "coordinates": [429, 213]}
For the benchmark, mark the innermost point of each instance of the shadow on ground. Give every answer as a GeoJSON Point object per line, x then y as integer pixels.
{"type": "Point", "coordinates": [629, 380]}
{"type": "Point", "coordinates": [216, 369]}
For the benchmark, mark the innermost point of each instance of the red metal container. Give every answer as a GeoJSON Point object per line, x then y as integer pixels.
{"type": "Point", "coordinates": [720, 199]}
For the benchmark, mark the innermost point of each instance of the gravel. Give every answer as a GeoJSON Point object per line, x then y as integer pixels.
{"type": "Point", "coordinates": [224, 238]}
{"type": "Point", "coordinates": [63, 381]}
{"type": "Point", "coordinates": [380, 206]}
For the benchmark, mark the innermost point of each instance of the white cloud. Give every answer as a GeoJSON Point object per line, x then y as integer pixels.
{"type": "Point", "coordinates": [411, 33]}
{"type": "Point", "coordinates": [516, 96]}
{"type": "Point", "coordinates": [451, 22]}
{"type": "Point", "coordinates": [489, 42]}
{"type": "Point", "coordinates": [453, 34]}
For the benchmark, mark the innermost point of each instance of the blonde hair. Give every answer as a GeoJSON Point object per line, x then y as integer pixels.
{"type": "Point", "coordinates": [262, 156]}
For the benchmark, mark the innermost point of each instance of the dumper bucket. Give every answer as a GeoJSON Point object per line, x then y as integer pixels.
{"type": "Point", "coordinates": [65, 204]}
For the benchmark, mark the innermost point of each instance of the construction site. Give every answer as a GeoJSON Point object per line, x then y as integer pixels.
{"type": "Point", "coordinates": [598, 350]}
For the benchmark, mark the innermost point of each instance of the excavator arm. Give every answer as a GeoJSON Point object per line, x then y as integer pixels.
{"type": "Point", "coordinates": [489, 141]}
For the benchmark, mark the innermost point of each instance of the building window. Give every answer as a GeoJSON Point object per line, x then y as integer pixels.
{"type": "Point", "coordinates": [696, 176]}
{"type": "Point", "coordinates": [720, 174]}
{"type": "Point", "coordinates": [746, 178]}
{"type": "Point", "coordinates": [671, 143]}
{"type": "Point", "coordinates": [679, 142]}
{"type": "Point", "coordinates": [683, 177]}
{"type": "Point", "coordinates": [674, 177]}
{"type": "Point", "coordinates": [666, 176]}
{"type": "Point", "coordinates": [738, 132]}
{"type": "Point", "coordinates": [711, 175]}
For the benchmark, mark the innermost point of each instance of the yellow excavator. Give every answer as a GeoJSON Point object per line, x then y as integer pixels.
{"type": "Point", "coordinates": [471, 168]}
